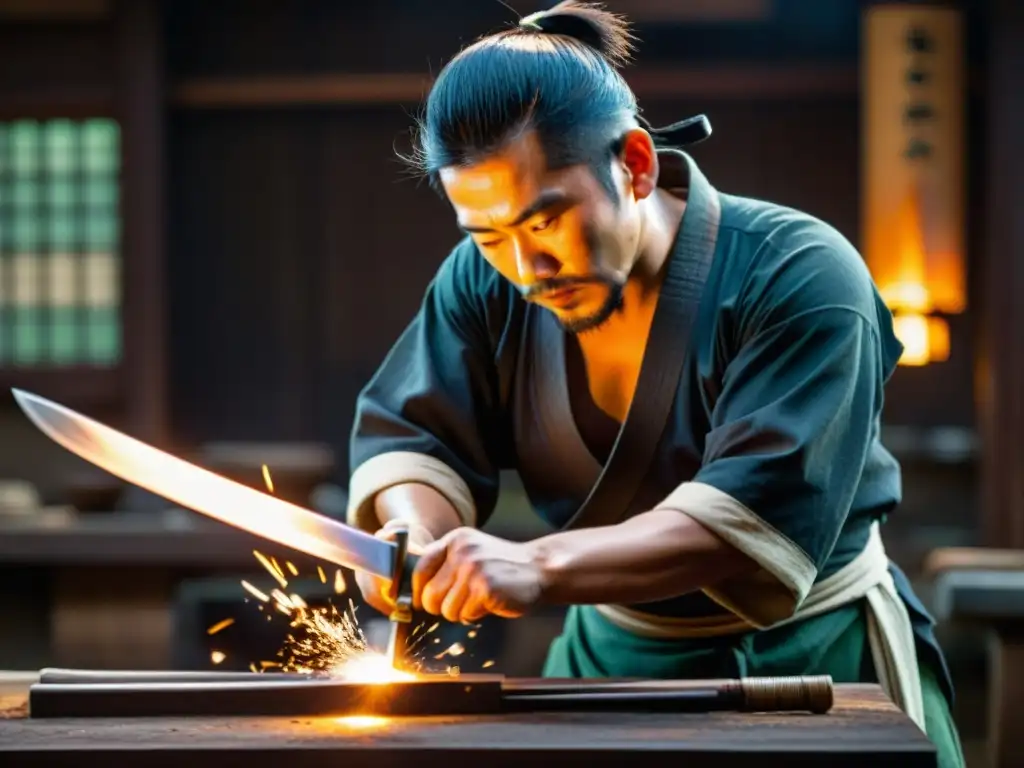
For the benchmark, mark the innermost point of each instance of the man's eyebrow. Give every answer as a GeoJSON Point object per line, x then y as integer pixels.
{"type": "Point", "coordinates": [546, 199]}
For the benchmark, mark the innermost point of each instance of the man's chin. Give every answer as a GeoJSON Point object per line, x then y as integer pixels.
{"type": "Point", "coordinates": [587, 314]}
{"type": "Point", "coordinates": [578, 322]}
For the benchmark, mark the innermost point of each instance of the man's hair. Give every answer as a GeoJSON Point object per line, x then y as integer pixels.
{"type": "Point", "coordinates": [555, 73]}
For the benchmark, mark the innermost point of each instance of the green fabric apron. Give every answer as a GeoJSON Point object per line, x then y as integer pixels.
{"type": "Point", "coordinates": [833, 644]}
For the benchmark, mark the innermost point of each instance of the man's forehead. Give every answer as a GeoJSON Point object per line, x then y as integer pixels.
{"type": "Point", "coordinates": [518, 164]}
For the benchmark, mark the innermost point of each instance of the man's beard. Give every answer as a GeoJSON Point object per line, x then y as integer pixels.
{"type": "Point", "coordinates": [582, 324]}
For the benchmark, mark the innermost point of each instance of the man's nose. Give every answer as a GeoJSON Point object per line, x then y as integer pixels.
{"type": "Point", "coordinates": [533, 264]}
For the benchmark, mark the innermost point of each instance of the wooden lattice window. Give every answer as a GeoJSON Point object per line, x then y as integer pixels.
{"type": "Point", "coordinates": [60, 266]}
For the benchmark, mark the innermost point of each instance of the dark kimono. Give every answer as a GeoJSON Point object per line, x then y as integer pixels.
{"type": "Point", "coordinates": [772, 439]}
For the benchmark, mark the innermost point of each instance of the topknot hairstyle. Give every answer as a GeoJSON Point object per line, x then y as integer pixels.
{"type": "Point", "coordinates": [556, 72]}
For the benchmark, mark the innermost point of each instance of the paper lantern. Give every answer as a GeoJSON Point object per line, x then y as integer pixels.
{"type": "Point", "coordinates": [913, 170]}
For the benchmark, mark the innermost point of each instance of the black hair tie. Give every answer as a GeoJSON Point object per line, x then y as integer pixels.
{"type": "Point", "coordinates": [683, 133]}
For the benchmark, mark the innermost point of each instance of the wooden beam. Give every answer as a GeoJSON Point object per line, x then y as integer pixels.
{"type": "Point", "coordinates": [43, 102]}
{"type": "Point", "coordinates": [348, 89]}
{"type": "Point", "coordinates": [1000, 381]}
{"type": "Point", "coordinates": [54, 10]}
{"type": "Point", "coordinates": [141, 112]}
{"type": "Point", "coordinates": [700, 11]}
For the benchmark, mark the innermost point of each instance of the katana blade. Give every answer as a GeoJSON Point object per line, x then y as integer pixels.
{"type": "Point", "coordinates": [207, 492]}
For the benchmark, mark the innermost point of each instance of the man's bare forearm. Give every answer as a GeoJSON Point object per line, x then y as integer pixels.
{"type": "Point", "coordinates": [653, 556]}
{"type": "Point", "coordinates": [417, 504]}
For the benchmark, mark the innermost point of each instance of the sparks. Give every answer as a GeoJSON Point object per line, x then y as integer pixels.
{"type": "Point", "coordinates": [271, 568]}
{"type": "Point", "coordinates": [330, 642]}
{"type": "Point", "coordinates": [327, 639]}
{"type": "Point", "coordinates": [219, 626]}
{"type": "Point", "coordinates": [487, 664]}
{"type": "Point", "coordinates": [455, 649]}
{"type": "Point", "coordinates": [255, 592]}
{"type": "Point", "coordinates": [267, 480]}
{"type": "Point", "coordinates": [282, 599]}
{"type": "Point", "coordinates": [217, 657]}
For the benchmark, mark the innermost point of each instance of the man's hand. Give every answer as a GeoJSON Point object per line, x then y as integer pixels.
{"type": "Point", "coordinates": [376, 591]}
{"type": "Point", "coordinates": [466, 575]}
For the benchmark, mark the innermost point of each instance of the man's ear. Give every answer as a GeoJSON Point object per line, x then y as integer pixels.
{"type": "Point", "coordinates": [640, 160]}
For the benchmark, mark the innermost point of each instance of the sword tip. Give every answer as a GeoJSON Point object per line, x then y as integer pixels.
{"type": "Point", "coordinates": [21, 397]}
{"type": "Point", "coordinates": [24, 399]}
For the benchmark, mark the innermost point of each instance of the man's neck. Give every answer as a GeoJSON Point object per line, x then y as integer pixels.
{"type": "Point", "coordinates": [662, 216]}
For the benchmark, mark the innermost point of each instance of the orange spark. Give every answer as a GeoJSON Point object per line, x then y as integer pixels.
{"type": "Point", "coordinates": [267, 480]}
{"type": "Point", "coordinates": [291, 568]}
{"type": "Point", "coordinates": [487, 664]}
{"type": "Point", "coordinates": [455, 649]}
{"type": "Point", "coordinates": [273, 562]}
{"type": "Point", "coordinates": [217, 657]}
{"type": "Point", "coordinates": [323, 576]}
{"type": "Point", "coordinates": [339, 582]}
{"type": "Point", "coordinates": [219, 626]}
{"type": "Point", "coordinates": [271, 568]}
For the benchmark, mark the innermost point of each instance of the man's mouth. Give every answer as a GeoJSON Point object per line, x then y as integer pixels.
{"type": "Point", "coordinates": [560, 296]}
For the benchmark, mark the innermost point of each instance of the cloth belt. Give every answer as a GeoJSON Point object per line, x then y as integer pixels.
{"type": "Point", "coordinates": [890, 634]}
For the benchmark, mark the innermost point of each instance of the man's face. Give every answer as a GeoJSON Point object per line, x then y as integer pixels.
{"type": "Point", "coordinates": [557, 235]}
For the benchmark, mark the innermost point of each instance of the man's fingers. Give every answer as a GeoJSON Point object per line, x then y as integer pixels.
{"type": "Point", "coordinates": [435, 590]}
{"type": "Point", "coordinates": [430, 562]}
{"type": "Point", "coordinates": [374, 592]}
{"type": "Point", "coordinates": [455, 598]}
{"type": "Point", "coordinates": [475, 607]}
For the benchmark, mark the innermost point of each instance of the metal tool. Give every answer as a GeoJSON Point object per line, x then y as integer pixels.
{"type": "Point", "coordinates": [401, 595]}
{"type": "Point", "coordinates": [80, 693]}
{"type": "Point", "coordinates": [225, 500]}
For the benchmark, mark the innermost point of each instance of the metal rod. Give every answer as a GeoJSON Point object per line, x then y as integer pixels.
{"type": "Point", "coordinates": [708, 700]}
{"type": "Point", "coordinates": [57, 676]}
{"type": "Point", "coordinates": [285, 698]}
{"type": "Point", "coordinates": [137, 694]}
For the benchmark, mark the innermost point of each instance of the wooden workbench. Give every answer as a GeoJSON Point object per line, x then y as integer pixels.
{"type": "Point", "coordinates": [985, 587]}
{"type": "Point", "coordinates": [864, 728]}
